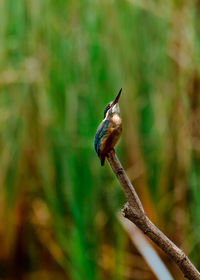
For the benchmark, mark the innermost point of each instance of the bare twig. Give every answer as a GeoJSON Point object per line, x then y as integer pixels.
{"type": "Point", "coordinates": [134, 211]}
{"type": "Point", "coordinates": [145, 248]}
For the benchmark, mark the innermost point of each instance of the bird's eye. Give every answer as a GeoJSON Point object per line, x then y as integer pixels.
{"type": "Point", "coordinates": [106, 109]}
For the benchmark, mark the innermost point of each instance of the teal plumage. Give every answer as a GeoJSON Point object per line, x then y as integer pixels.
{"type": "Point", "coordinates": [100, 134]}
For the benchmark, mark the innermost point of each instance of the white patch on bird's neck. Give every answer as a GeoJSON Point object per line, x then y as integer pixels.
{"type": "Point", "coordinates": [116, 119]}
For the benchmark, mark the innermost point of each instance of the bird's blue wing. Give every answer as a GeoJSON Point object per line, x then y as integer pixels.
{"type": "Point", "coordinates": [100, 133]}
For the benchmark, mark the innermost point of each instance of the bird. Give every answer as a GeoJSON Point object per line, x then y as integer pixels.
{"type": "Point", "coordinates": [109, 130]}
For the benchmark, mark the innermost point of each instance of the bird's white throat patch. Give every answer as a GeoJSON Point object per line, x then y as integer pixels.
{"type": "Point", "coordinates": [116, 118]}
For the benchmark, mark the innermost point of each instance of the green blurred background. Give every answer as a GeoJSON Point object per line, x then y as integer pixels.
{"type": "Point", "coordinates": [61, 62]}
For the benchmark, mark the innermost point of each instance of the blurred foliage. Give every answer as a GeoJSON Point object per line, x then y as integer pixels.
{"type": "Point", "coordinates": [61, 62]}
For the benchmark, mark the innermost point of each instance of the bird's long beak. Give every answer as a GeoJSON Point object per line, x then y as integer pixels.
{"type": "Point", "coordinates": [117, 97]}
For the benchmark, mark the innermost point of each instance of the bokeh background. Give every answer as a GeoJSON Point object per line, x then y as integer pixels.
{"type": "Point", "coordinates": [61, 62]}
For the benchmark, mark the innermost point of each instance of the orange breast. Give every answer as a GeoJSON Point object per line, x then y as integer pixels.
{"type": "Point", "coordinates": [110, 140]}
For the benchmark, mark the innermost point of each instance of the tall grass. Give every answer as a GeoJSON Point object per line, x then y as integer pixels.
{"type": "Point", "coordinates": [61, 63]}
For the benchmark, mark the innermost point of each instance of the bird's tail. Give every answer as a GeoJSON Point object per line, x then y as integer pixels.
{"type": "Point", "coordinates": [102, 160]}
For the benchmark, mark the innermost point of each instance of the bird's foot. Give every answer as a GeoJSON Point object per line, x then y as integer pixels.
{"type": "Point", "coordinates": [111, 152]}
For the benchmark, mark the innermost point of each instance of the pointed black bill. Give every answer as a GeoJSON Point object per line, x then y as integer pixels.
{"type": "Point", "coordinates": [117, 97]}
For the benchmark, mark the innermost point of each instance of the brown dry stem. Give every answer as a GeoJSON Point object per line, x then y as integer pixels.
{"type": "Point", "coordinates": [134, 211]}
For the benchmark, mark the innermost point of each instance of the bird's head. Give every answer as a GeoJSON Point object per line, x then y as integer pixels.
{"type": "Point", "coordinates": [113, 106]}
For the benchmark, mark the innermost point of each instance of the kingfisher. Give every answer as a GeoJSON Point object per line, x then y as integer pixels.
{"type": "Point", "coordinates": [109, 130]}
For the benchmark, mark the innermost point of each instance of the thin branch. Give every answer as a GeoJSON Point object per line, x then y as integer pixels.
{"type": "Point", "coordinates": [134, 211]}
{"type": "Point", "coordinates": [146, 249]}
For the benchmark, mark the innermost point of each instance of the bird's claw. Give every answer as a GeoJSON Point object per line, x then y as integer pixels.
{"type": "Point", "coordinates": [111, 152]}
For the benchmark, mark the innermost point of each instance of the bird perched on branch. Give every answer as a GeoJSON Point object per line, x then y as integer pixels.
{"type": "Point", "coordinates": [109, 130]}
